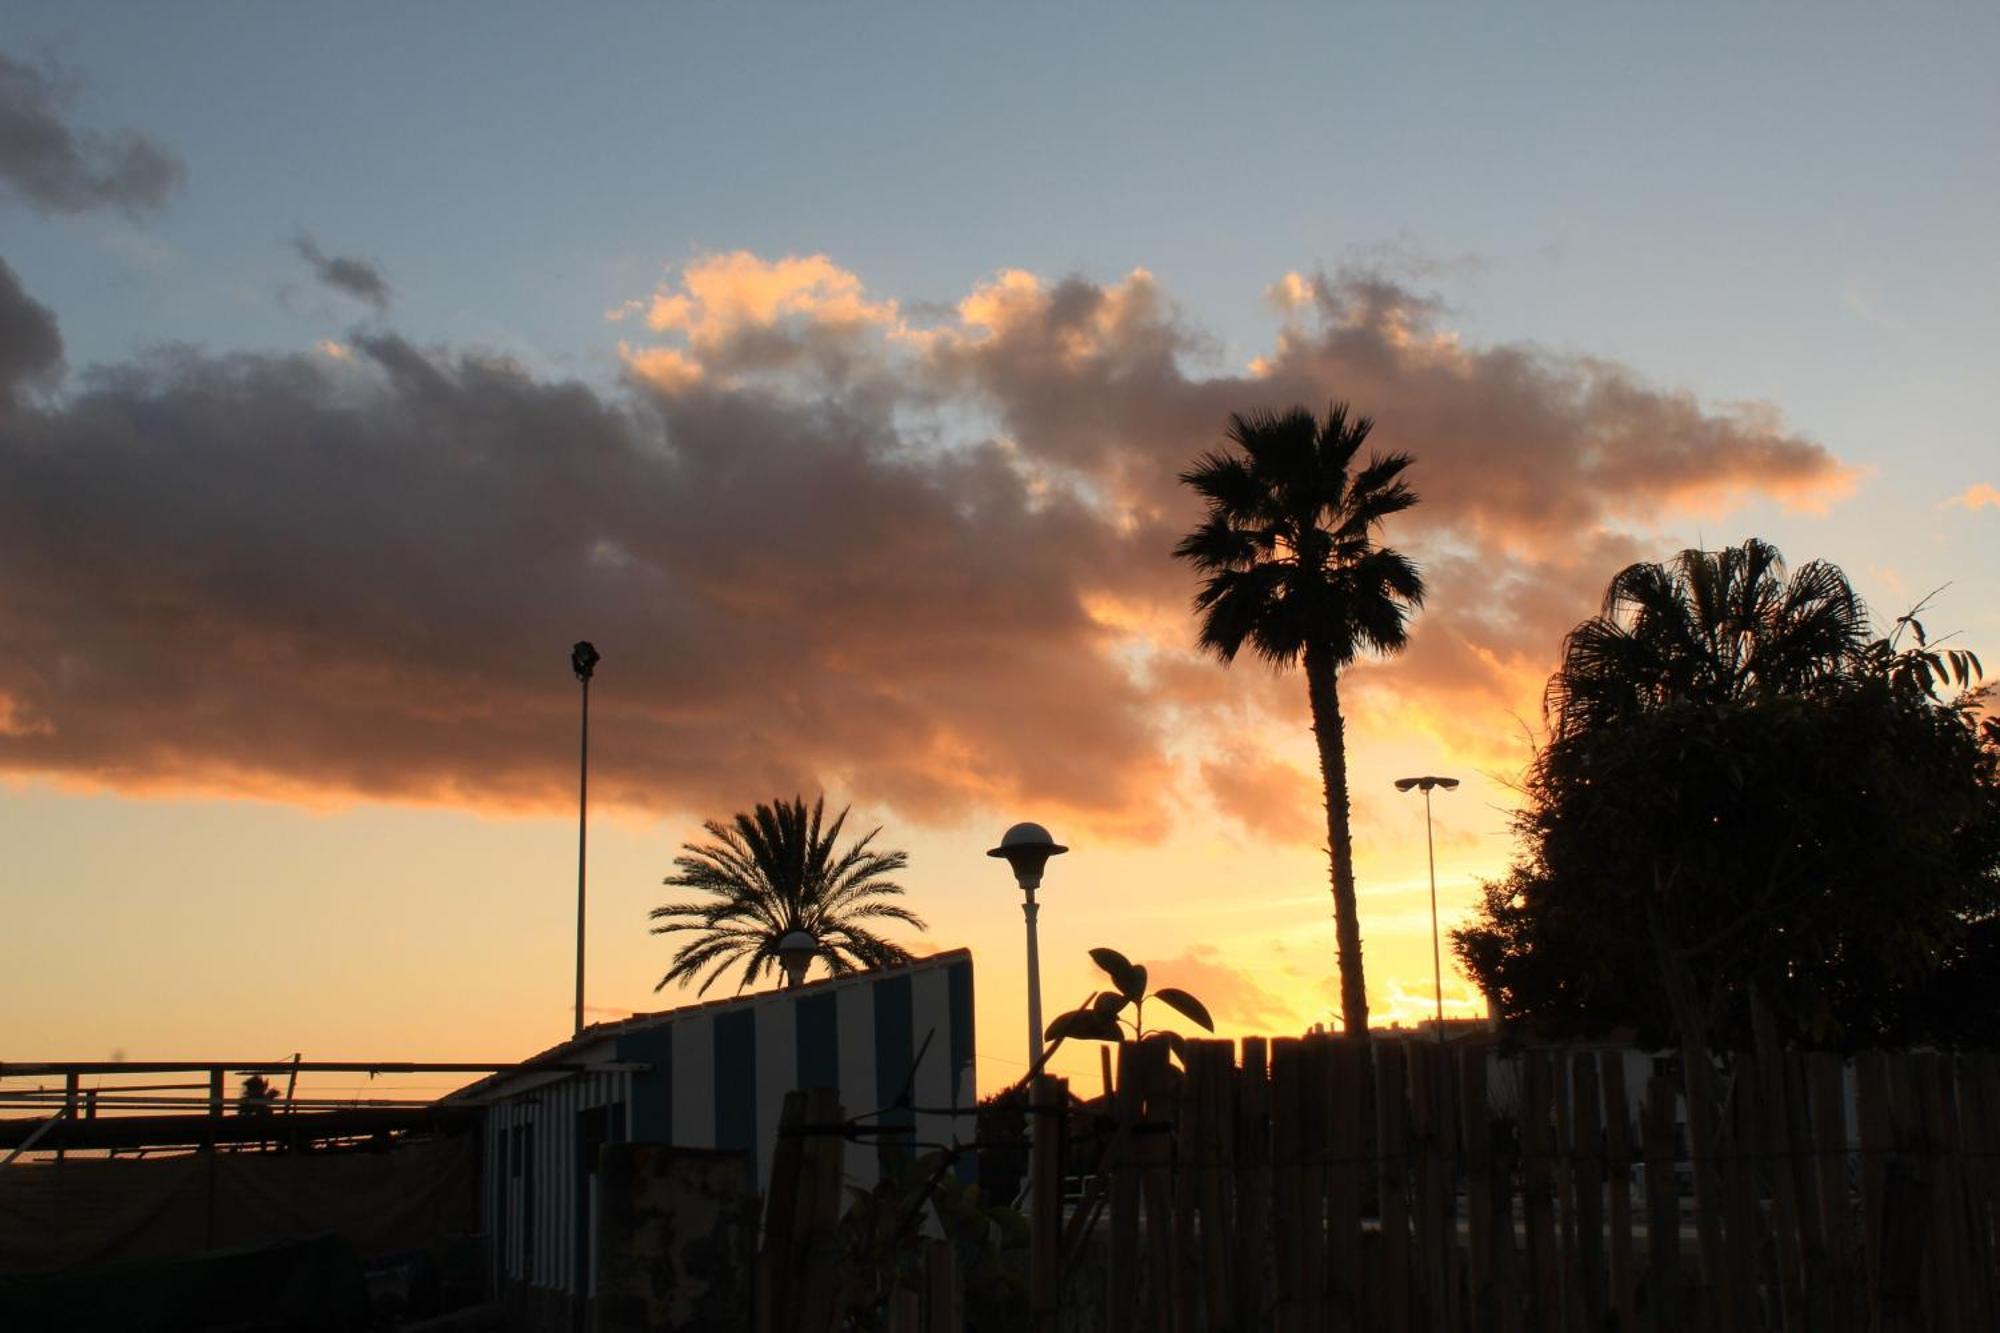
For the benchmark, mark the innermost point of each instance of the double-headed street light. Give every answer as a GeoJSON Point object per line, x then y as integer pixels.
{"type": "Point", "coordinates": [1027, 848]}
{"type": "Point", "coordinates": [1425, 784]}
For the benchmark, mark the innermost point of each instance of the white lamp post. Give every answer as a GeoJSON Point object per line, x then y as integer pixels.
{"type": "Point", "coordinates": [795, 955]}
{"type": "Point", "coordinates": [1027, 848]}
{"type": "Point", "coordinates": [1425, 784]}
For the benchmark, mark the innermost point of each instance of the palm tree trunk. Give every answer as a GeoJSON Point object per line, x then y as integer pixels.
{"type": "Point", "coordinates": [1323, 687]}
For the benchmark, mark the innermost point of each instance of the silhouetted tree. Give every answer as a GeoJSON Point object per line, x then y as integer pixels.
{"type": "Point", "coordinates": [774, 871]}
{"type": "Point", "coordinates": [1774, 814]}
{"type": "Point", "coordinates": [1291, 567]}
{"type": "Point", "coordinates": [258, 1096]}
{"type": "Point", "coordinates": [1706, 627]}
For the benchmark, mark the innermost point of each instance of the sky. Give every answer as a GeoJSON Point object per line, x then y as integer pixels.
{"type": "Point", "coordinates": [830, 367]}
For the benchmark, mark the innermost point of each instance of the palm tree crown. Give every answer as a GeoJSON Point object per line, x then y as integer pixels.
{"type": "Point", "coordinates": [1288, 545]}
{"type": "Point", "coordinates": [1707, 627]}
{"type": "Point", "coordinates": [1290, 566]}
{"type": "Point", "coordinates": [775, 871]}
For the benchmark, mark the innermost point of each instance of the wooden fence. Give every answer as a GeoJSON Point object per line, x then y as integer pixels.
{"type": "Point", "coordinates": [1318, 1185]}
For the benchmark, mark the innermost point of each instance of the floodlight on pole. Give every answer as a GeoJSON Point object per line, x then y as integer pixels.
{"type": "Point", "coordinates": [1027, 848]}
{"type": "Point", "coordinates": [1425, 784]}
{"type": "Point", "coordinates": [583, 659]}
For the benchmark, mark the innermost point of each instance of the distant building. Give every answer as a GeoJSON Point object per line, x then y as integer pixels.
{"type": "Point", "coordinates": [897, 1043]}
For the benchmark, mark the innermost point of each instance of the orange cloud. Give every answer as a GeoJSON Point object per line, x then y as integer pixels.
{"type": "Point", "coordinates": [1980, 495]}
{"type": "Point", "coordinates": [1235, 999]}
{"type": "Point", "coordinates": [1268, 797]}
{"type": "Point", "coordinates": [819, 546]}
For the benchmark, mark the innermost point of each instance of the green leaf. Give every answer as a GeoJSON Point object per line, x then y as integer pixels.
{"type": "Point", "coordinates": [1185, 1004]}
{"type": "Point", "coordinates": [1110, 1002]}
{"type": "Point", "coordinates": [1130, 979]}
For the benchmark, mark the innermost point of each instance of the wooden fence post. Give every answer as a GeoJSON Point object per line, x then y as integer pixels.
{"type": "Point", "coordinates": [1476, 1130]}
{"type": "Point", "coordinates": [1739, 1188]}
{"type": "Point", "coordinates": [1156, 1187]}
{"type": "Point", "coordinates": [1253, 1186]}
{"type": "Point", "coordinates": [1048, 1107]}
{"type": "Point", "coordinates": [1315, 1056]}
{"type": "Point", "coordinates": [1538, 1194]}
{"type": "Point", "coordinates": [1587, 1186]}
{"type": "Point", "coordinates": [1121, 1297]}
{"type": "Point", "coordinates": [1286, 1227]}
{"type": "Point", "coordinates": [1346, 1094]}
{"type": "Point", "coordinates": [1216, 1061]}
{"type": "Point", "coordinates": [1392, 1143]}
{"type": "Point", "coordinates": [1188, 1134]}
{"type": "Point", "coordinates": [1618, 1154]}
{"type": "Point", "coordinates": [1829, 1116]}
{"type": "Point", "coordinates": [774, 1259]}
{"type": "Point", "coordinates": [1564, 1145]}
{"type": "Point", "coordinates": [810, 1303]}
{"type": "Point", "coordinates": [1433, 1266]}
{"type": "Point", "coordinates": [1663, 1209]}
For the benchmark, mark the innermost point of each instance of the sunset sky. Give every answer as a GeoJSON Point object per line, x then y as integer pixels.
{"type": "Point", "coordinates": [830, 367]}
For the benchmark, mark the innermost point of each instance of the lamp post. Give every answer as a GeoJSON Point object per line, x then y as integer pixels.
{"type": "Point", "coordinates": [583, 660]}
{"type": "Point", "coordinates": [795, 955]}
{"type": "Point", "coordinates": [1027, 848]}
{"type": "Point", "coordinates": [1425, 784]}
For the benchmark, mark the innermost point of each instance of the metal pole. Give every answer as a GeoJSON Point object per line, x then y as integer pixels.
{"type": "Point", "coordinates": [582, 842]}
{"type": "Point", "coordinates": [1031, 909]}
{"type": "Point", "coordinates": [1437, 963]}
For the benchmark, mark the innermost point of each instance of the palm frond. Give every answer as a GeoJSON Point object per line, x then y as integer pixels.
{"type": "Point", "coordinates": [778, 867]}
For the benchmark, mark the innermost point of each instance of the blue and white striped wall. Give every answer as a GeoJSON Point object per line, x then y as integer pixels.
{"type": "Point", "coordinates": [718, 1074]}
{"type": "Point", "coordinates": [715, 1076]}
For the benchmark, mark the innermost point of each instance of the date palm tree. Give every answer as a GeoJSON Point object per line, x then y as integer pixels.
{"type": "Point", "coordinates": [1707, 627]}
{"type": "Point", "coordinates": [1290, 567]}
{"type": "Point", "coordinates": [777, 870]}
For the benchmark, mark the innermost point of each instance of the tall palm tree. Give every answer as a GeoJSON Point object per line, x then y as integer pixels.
{"type": "Point", "coordinates": [1707, 627]}
{"type": "Point", "coordinates": [774, 871]}
{"type": "Point", "coordinates": [1290, 566]}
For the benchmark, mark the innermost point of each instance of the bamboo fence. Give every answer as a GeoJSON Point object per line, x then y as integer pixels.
{"type": "Point", "coordinates": [1320, 1185]}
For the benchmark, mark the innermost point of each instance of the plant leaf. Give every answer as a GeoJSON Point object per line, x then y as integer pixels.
{"type": "Point", "coordinates": [1130, 980]}
{"type": "Point", "coordinates": [1110, 1002]}
{"type": "Point", "coordinates": [1083, 1025]}
{"type": "Point", "coordinates": [1185, 1004]}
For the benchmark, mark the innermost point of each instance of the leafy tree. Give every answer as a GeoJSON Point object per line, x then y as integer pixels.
{"type": "Point", "coordinates": [1290, 567]}
{"type": "Point", "coordinates": [1772, 813]}
{"type": "Point", "coordinates": [258, 1096]}
{"type": "Point", "coordinates": [774, 871]}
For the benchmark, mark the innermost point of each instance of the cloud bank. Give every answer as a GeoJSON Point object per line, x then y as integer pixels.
{"type": "Point", "coordinates": [821, 541]}
{"type": "Point", "coordinates": [56, 168]}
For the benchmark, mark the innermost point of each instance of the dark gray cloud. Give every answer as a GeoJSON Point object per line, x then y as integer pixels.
{"type": "Point", "coordinates": [285, 574]}
{"type": "Point", "coordinates": [359, 575]}
{"type": "Point", "coordinates": [354, 277]}
{"type": "Point", "coordinates": [30, 344]}
{"type": "Point", "coordinates": [55, 168]}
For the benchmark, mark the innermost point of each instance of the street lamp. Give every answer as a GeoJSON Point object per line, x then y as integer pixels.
{"type": "Point", "coordinates": [1027, 848]}
{"type": "Point", "coordinates": [795, 955]}
{"type": "Point", "coordinates": [583, 659]}
{"type": "Point", "coordinates": [1437, 959]}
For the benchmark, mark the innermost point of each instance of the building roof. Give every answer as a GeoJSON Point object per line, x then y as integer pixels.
{"type": "Point", "coordinates": [582, 1048]}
